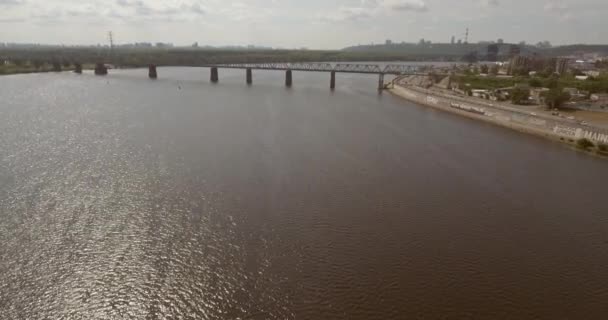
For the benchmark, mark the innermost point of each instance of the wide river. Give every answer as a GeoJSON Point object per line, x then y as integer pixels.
{"type": "Point", "coordinates": [127, 198]}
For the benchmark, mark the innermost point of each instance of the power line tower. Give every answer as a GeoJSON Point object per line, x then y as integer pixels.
{"type": "Point", "coordinates": [466, 37]}
{"type": "Point", "coordinates": [111, 38]}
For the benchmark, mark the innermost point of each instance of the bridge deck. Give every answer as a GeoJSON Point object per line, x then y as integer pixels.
{"type": "Point", "coordinates": [395, 69]}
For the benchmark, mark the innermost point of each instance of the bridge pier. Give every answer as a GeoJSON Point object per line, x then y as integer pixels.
{"type": "Point", "coordinates": [249, 76]}
{"type": "Point", "coordinates": [101, 69]}
{"type": "Point", "coordinates": [288, 78]}
{"type": "Point", "coordinates": [214, 75]}
{"type": "Point", "coordinates": [152, 74]}
{"type": "Point", "coordinates": [381, 82]}
{"type": "Point", "coordinates": [332, 82]}
{"type": "Point", "coordinates": [77, 68]}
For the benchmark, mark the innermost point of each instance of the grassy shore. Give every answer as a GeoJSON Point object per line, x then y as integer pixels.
{"type": "Point", "coordinates": [24, 69]}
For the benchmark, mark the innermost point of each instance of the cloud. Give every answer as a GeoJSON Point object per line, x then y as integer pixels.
{"type": "Point", "coordinates": [11, 2]}
{"type": "Point", "coordinates": [558, 9]}
{"type": "Point", "coordinates": [370, 9]}
{"type": "Point", "coordinates": [405, 5]}
{"type": "Point", "coordinates": [12, 20]}
{"type": "Point", "coordinates": [346, 14]}
{"type": "Point", "coordinates": [142, 9]}
{"type": "Point", "coordinates": [489, 3]}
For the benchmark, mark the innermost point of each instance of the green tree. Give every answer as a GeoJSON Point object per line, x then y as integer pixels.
{"type": "Point", "coordinates": [553, 83]}
{"type": "Point", "coordinates": [576, 72]}
{"type": "Point", "coordinates": [494, 70]}
{"type": "Point", "coordinates": [18, 62]}
{"type": "Point", "coordinates": [520, 71]}
{"type": "Point", "coordinates": [584, 143]}
{"type": "Point", "coordinates": [520, 95]}
{"type": "Point", "coordinates": [546, 72]}
{"type": "Point", "coordinates": [56, 66]}
{"type": "Point", "coordinates": [37, 63]}
{"type": "Point", "coordinates": [556, 97]}
{"type": "Point", "coordinates": [484, 69]}
{"type": "Point", "coordinates": [535, 83]}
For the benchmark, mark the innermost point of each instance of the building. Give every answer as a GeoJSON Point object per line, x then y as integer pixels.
{"type": "Point", "coordinates": [592, 73]}
{"type": "Point", "coordinates": [576, 95]}
{"type": "Point", "coordinates": [478, 93]}
{"type": "Point", "coordinates": [493, 51]}
{"type": "Point", "coordinates": [514, 50]}
{"type": "Point", "coordinates": [538, 95]}
{"type": "Point", "coordinates": [561, 65]}
{"type": "Point", "coordinates": [599, 97]}
{"type": "Point", "coordinates": [518, 63]}
{"type": "Point", "coordinates": [600, 100]}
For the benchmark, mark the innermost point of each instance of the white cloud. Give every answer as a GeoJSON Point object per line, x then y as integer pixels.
{"type": "Point", "coordinates": [405, 5]}
{"type": "Point", "coordinates": [11, 2]}
{"type": "Point", "coordinates": [558, 9]}
{"type": "Point", "coordinates": [370, 9]}
{"type": "Point", "coordinates": [347, 15]}
{"type": "Point", "coordinates": [295, 23]}
{"type": "Point", "coordinates": [489, 3]}
{"type": "Point", "coordinates": [143, 9]}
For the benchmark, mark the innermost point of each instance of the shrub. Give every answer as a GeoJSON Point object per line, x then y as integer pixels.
{"type": "Point", "coordinates": [556, 97]}
{"type": "Point", "coordinates": [602, 148]}
{"type": "Point", "coordinates": [535, 83]}
{"type": "Point", "coordinates": [584, 143]}
{"type": "Point", "coordinates": [520, 95]}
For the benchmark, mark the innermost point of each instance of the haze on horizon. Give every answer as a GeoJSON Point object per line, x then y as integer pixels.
{"type": "Point", "coordinates": [315, 24]}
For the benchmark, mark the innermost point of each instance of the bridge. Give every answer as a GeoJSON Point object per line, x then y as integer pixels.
{"type": "Point", "coordinates": [331, 68]}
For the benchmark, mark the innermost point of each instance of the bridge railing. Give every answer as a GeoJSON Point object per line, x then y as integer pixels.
{"type": "Point", "coordinates": [395, 69]}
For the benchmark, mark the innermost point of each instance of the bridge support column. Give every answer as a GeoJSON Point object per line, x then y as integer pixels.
{"type": "Point", "coordinates": [288, 78]}
{"type": "Point", "coordinates": [332, 82]}
{"type": "Point", "coordinates": [77, 68]}
{"type": "Point", "coordinates": [101, 69]}
{"type": "Point", "coordinates": [381, 82]}
{"type": "Point", "coordinates": [214, 75]}
{"type": "Point", "coordinates": [152, 74]}
{"type": "Point", "coordinates": [249, 76]}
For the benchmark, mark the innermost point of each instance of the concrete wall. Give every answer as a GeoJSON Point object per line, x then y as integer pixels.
{"type": "Point", "coordinates": [510, 118]}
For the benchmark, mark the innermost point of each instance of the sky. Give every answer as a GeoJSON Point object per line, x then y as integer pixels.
{"type": "Point", "coordinates": [314, 24]}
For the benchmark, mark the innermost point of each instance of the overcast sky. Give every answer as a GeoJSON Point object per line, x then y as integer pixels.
{"type": "Point", "coordinates": [322, 24]}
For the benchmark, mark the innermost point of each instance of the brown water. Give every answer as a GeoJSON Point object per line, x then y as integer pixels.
{"type": "Point", "coordinates": [125, 198]}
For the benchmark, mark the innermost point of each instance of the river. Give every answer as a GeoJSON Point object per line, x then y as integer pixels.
{"type": "Point", "coordinates": [127, 198]}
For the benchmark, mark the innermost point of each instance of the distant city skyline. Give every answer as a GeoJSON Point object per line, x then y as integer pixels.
{"type": "Point", "coordinates": [314, 24]}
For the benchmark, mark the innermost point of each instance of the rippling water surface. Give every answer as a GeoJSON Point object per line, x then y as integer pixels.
{"type": "Point", "coordinates": [125, 198]}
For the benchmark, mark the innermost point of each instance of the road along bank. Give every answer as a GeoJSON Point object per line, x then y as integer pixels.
{"type": "Point", "coordinates": [555, 129]}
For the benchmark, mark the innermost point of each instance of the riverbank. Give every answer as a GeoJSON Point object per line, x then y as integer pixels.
{"type": "Point", "coordinates": [7, 70]}
{"type": "Point", "coordinates": [553, 129]}
{"type": "Point", "coordinates": [11, 70]}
